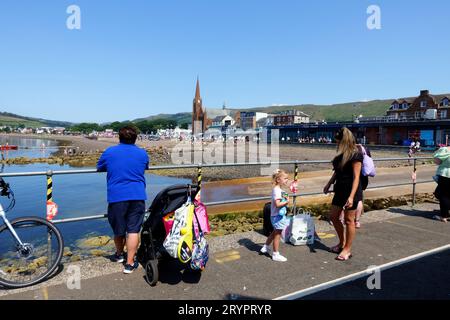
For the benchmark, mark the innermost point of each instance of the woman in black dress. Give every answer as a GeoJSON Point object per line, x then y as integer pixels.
{"type": "Point", "coordinates": [347, 190]}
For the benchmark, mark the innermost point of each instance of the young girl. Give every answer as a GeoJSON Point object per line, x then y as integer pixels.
{"type": "Point", "coordinates": [278, 218]}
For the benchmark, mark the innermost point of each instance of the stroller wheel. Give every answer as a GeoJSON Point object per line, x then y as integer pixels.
{"type": "Point", "coordinates": [151, 272]}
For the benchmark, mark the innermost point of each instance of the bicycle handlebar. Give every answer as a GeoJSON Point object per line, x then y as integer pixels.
{"type": "Point", "coordinates": [4, 192]}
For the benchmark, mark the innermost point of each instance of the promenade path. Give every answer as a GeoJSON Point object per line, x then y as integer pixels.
{"type": "Point", "coordinates": [236, 270]}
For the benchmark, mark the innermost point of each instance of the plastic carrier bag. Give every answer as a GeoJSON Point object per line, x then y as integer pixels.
{"type": "Point", "coordinates": [302, 230]}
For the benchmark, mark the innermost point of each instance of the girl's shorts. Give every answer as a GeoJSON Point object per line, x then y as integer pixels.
{"type": "Point", "coordinates": [279, 222]}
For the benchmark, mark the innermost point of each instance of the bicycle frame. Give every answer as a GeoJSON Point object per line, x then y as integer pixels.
{"type": "Point", "coordinates": [9, 226]}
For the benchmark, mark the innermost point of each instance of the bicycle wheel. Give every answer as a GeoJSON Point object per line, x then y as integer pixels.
{"type": "Point", "coordinates": [37, 259]}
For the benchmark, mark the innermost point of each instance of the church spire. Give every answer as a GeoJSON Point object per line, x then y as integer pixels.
{"type": "Point", "coordinates": [197, 90]}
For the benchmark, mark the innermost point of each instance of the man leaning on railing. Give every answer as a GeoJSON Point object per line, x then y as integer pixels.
{"type": "Point", "coordinates": [125, 165]}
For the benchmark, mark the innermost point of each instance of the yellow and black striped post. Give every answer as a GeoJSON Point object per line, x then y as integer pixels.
{"type": "Point", "coordinates": [49, 187]}
{"type": "Point", "coordinates": [49, 198]}
{"type": "Point", "coordinates": [296, 171]}
{"type": "Point", "coordinates": [199, 176]}
{"type": "Point", "coordinates": [295, 179]}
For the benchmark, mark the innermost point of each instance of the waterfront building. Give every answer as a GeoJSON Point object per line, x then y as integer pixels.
{"type": "Point", "coordinates": [425, 118]}
{"type": "Point", "coordinates": [291, 117]}
{"type": "Point", "coordinates": [251, 120]}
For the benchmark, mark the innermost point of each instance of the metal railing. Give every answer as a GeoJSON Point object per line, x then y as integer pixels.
{"type": "Point", "coordinates": [49, 174]}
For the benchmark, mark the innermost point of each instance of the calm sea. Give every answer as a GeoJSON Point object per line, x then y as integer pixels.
{"type": "Point", "coordinates": [30, 148]}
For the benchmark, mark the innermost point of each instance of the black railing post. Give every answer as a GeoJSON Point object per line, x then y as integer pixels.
{"type": "Point", "coordinates": [295, 180]}
{"type": "Point", "coordinates": [414, 183]}
{"type": "Point", "coordinates": [49, 198]}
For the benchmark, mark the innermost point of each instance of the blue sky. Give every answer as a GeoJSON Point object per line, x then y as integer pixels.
{"type": "Point", "coordinates": [135, 58]}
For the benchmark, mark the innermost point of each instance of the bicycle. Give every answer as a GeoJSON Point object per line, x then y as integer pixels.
{"type": "Point", "coordinates": [31, 248]}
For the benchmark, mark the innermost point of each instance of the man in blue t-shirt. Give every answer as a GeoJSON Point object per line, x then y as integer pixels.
{"type": "Point", "coordinates": [125, 165]}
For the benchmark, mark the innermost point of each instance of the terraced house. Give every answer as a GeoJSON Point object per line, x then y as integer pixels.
{"type": "Point", "coordinates": [424, 107]}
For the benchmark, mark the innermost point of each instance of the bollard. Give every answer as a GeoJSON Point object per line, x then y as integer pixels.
{"type": "Point", "coordinates": [49, 198]}
{"type": "Point", "coordinates": [295, 179]}
{"type": "Point", "coordinates": [199, 181]}
{"type": "Point", "coordinates": [414, 184]}
{"type": "Point", "coordinates": [49, 186]}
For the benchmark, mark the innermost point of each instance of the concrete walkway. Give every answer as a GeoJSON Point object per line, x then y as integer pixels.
{"type": "Point", "coordinates": [236, 270]}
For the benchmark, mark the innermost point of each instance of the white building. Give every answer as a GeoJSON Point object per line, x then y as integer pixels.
{"type": "Point", "coordinates": [223, 121]}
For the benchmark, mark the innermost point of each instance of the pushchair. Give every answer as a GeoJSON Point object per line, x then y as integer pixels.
{"type": "Point", "coordinates": [153, 233]}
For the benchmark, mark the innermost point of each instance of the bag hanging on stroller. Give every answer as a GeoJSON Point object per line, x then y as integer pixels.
{"type": "Point", "coordinates": [201, 220]}
{"type": "Point", "coordinates": [200, 251]}
{"type": "Point", "coordinates": [173, 238]}
{"type": "Point", "coordinates": [184, 248]}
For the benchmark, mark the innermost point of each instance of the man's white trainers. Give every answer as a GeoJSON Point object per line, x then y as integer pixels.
{"type": "Point", "coordinates": [276, 256]}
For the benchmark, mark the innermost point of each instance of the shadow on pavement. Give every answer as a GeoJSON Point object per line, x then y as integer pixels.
{"type": "Point", "coordinates": [172, 271]}
{"type": "Point", "coordinates": [414, 213]}
{"type": "Point", "coordinates": [255, 247]}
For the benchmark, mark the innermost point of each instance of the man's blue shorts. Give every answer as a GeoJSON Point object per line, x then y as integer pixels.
{"type": "Point", "coordinates": [126, 216]}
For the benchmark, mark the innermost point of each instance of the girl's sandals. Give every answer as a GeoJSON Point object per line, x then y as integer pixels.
{"type": "Point", "coordinates": [357, 224]}
{"type": "Point", "coordinates": [344, 258]}
{"type": "Point", "coordinates": [336, 249]}
{"type": "Point", "coordinates": [439, 218]}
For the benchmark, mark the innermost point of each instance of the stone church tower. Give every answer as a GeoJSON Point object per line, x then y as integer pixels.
{"type": "Point", "coordinates": [199, 118]}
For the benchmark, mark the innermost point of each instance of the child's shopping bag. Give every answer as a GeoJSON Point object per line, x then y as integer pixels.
{"type": "Point", "coordinates": [302, 230]}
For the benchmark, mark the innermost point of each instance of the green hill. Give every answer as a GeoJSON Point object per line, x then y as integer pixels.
{"type": "Point", "coordinates": [180, 118]}
{"type": "Point", "coordinates": [329, 113]}
{"type": "Point", "coordinates": [335, 112]}
{"type": "Point", "coordinates": [14, 120]}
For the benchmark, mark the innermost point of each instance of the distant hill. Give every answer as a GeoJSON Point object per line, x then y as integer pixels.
{"type": "Point", "coordinates": [334, 112]}
{"type": "Point", "coordinates": [182, 117]}
{"type": "Point", "coordinates": [11, 119]}
{"type": "Point", "coordinates": [329, 113]}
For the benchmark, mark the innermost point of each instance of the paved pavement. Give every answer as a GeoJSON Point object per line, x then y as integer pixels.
{"type": "Point", "coordinates": [237, 271]}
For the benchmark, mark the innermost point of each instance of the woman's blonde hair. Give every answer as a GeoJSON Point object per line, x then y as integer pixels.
{"type": "Point", "coordinates": [346, 146]}
{"type": "Point", "coordinates": [277, 174]}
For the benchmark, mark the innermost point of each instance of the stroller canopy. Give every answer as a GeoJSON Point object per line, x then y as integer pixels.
{"type": "Point", "coordinates": [171, 198]}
